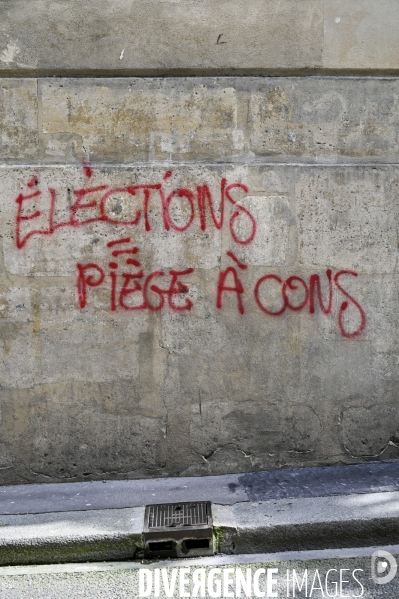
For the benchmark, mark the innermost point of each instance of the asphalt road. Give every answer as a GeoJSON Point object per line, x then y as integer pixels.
{"type": "Point", "coordinates": [338, 573]}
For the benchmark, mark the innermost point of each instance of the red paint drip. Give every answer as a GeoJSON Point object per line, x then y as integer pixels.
{"type": "Point", "coordinates": [88, 171]}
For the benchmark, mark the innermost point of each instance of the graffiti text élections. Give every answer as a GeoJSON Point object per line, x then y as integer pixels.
{"type": "Point", "coordinates": [131, 288]}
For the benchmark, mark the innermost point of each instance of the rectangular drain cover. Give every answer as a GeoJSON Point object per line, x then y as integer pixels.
{"type": "Point", "coordinates": [178, 530]}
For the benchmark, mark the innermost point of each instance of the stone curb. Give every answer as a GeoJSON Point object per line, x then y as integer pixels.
{"type": "Point", "coordinates": [308, 523]}
{"type": "Point", "coordinates": [242, 528]}
{"type": "Point", "coordinates": [71, 536]}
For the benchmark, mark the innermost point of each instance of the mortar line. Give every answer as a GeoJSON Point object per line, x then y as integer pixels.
{"type": "Point", "coordinates": [185, 73]}
{"type": "Point", "coordinates": [167, 163]}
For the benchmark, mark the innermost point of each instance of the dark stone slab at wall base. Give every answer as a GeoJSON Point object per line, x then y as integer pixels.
{"type": "Point", "coordinates": [374, 477]}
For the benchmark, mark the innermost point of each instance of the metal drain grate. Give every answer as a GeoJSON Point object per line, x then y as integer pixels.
{"type": "Point", "coordinates": [178, 514]}
{"type": "Point", "coordinates": [178, 529]}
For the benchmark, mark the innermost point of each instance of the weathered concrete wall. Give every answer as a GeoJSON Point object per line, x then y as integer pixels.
{"type": "Point", "coordinates": [126, 120]}
{"type": "Point", "coordinates": [197, 274]}
{"type": "Point", "coordinates": [183, 384]}
{"type": "Point", "coordinates": [192, 36]}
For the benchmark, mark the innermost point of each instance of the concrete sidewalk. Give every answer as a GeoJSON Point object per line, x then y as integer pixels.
{"type": "Point", "coordinates": [285, 510]}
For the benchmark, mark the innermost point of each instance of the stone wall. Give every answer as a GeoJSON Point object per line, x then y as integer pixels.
{"type": "Point", "coordinates": [199, 208]}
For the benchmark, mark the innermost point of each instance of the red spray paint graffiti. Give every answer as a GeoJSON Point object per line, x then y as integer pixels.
{"type": "Point", "coordinates": [95, 199]}
{"type": "Point", "coordinates": [238, 288]}
{"type": "Point", "coordinates": [131, 285]}
{"type": "Point", "coordinates": [229, 281]}
{"type": "Point", "coordinates": [132, 290]}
